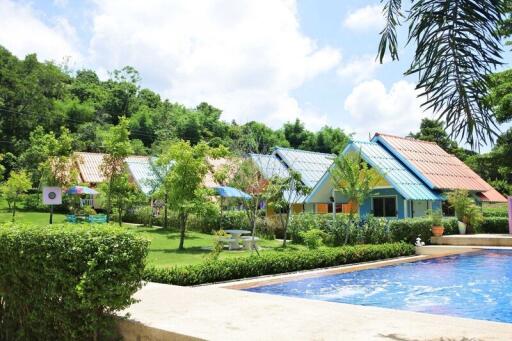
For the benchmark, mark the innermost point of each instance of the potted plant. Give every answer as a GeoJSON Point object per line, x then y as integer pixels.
{"type": "Point", "coordinates": [437, 223]}
{"type": "Point", "coordinates": [473, 217]}
{"type": "Point", "coordinates": [466, 211]}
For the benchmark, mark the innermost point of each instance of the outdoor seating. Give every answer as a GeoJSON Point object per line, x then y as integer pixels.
{"type": "Point", "coordinates": [97, 219]}
{"type": "Point", "coordinates": [71, 218]}
{"type": "Point", "coordinates": [232, 243]}
{"type": "Point", "coordinates": [249, 242]}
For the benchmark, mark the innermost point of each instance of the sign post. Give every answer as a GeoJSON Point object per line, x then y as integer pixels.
{"type": "Point", "coordinates": [52, 196]}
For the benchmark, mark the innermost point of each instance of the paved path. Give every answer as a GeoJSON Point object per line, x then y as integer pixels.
{"type": "Point", "coordinates": [215, 313]}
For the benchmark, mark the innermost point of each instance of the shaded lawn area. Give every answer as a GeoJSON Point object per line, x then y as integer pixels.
{"type": "Point", "coordinates": [163, 250]}
{"type": "Point", "coordinates": [28, 217]}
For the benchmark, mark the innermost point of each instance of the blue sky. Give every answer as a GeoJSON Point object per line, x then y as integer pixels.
{"type": "Point", "coordinates": [264, 60]}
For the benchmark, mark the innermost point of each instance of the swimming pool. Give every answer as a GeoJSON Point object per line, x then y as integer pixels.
{"type": "Point", "coordinates": [474, 285]}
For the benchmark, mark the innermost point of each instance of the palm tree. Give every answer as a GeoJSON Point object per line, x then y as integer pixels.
{"type": "Point", "coordinates": [354, 179]}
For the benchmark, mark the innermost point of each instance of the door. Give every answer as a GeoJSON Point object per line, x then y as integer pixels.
{"type": "Point", "coordinates": [419, 208]}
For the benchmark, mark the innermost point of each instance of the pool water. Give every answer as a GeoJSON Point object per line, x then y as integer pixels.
{"type": "Point", "coordinates": [474, 285]}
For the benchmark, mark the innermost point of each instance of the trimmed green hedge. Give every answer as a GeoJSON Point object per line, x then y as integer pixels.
{"type": "Point", "coordinates": [366, 231]}
{"type": "Point", "coordinates": [64, 282]}
{"type": "Point", "coordinates": [494, 225]}
{"type": "Point", "coordinates": [495, 211]}
{"type": "Point", "coordinates": [409, 229]}
{"type": "Point", "coordinates": [273, 263]}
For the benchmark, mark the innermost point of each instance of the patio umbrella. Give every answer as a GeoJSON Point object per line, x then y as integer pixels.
{"type": "Point", "coordinates": [77, 190]}
{"type": "Point", "coordinates": [231, 192]}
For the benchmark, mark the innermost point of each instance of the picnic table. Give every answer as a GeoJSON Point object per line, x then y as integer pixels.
{"type": "Point", "coordinates": [235, 238]}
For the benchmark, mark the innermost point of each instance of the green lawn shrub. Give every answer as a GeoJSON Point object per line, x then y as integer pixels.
{"type": "Point", "coordinates": [369, 230]}
{"type": "Point", "coordinates": [313, 238]}
{"type": "Point", "coordinates": [495, 211]}
{"type": "Point", "coordinates": [494, 225]}
{"type": "Point", "coordinates": [274, 263]}
{"type": "Point", "coordinates": [64, 282]}
{"type": "Point", "coordinates": [409, 229]}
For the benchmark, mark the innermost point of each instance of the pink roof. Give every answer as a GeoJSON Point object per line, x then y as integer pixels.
{"type": "Point", "coordinates": [441, 169]}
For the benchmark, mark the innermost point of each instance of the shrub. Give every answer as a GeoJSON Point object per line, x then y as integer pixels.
{"type": "Point", "coordinates": [495, 211]}
{"type": "Point", "coordinates": [312, 238]}
{"type": "Point", "coordinates": [274, 263]}
{"type": "Point", "coordinates": [409, 229]}
{"type": "Point", "coordinates": [494, 225]}
{"type": "Point", "coordinates": [64, 282]}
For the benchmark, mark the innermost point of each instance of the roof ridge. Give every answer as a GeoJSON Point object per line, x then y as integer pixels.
{"type": "Point", "coordinates": [408, 138]}
{"type": "Point", "coordinates": [304, 151]}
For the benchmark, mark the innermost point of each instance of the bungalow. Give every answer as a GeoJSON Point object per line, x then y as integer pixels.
{"type": "Point", "coordinates": [416, 174]}
{"type": "Point", "coordinates": [310, 165]}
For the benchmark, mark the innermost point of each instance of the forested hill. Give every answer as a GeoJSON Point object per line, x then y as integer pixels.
{"type": "Point", "coordinates": [33, 93]}
{"type": "Point", "coordinates": [37, 98]}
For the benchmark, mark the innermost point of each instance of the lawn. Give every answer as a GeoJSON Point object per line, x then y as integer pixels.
{"type": "Point", "coordinates": [28, 217]}
{"type": "Point", "coordinates": [164, 251]}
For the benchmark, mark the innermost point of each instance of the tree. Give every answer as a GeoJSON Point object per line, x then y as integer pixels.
{"type": "Point", "coordinates": [433, 131]}
{"type": "Point", "coordinates": [457, 45]}
{"type": "Point", "coordinates": [354, 180]}
{"type": "Point", "coordinates": [328, 140]}
{"type": "Point", "coordinates": [184, 181]}
{"type": "Point", "coordinates": [117, 147]}
{"type": "Point", "coordinates": [249, 179]}
{"type": "Point", "coordinates": [296, 134]}
{"type": "Point", "coordinates": [123, 195]}
{"type": "Point", "coordinates": [283, 192]}
{"type": "Point", "coordinates": [17, 184]}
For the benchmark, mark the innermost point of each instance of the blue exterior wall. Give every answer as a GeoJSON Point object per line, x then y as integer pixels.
{"type": "Point", "coordinates": [366, 207]}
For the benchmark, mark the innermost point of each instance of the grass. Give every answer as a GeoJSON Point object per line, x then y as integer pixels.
{"type": "Point", "coordinates": [164, 251]}
{"type": "Point", "coordinates": [28, 217]}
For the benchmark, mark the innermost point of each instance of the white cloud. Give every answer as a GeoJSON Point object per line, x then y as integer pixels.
{"type": "Point", "coordinates": [23, 32]}
{"type": "Point", "coordinates": [365, 18]}
{"type": "Point", "coordinates": [360, 69]}
{"type": "Point", "coordinates": [243, 56]}
{"type": "Point", "coordinates": [373, 109]}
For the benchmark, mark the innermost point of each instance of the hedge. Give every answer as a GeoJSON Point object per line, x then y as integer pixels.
{"type": "Point", "coordinates": [370, 230]}
{"type": "Point", "coordinates": [63, 282]}
{"type": "Point", "coordinates": [270, 263]}
{"type": "Point", "coordinates": [494, 225]}
{"type": "Point", "coordinates": [409, 229]}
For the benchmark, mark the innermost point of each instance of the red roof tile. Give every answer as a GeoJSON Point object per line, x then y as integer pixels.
{"type": "Point", "coordinates": [442, 170]}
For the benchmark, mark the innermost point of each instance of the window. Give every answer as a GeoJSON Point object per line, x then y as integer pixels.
{"type": "Point", "coordinates": [384, 207]}
{"type": "Point", "coordinates": [339, 208]}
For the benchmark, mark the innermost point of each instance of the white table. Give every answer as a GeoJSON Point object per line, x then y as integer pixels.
{"type": "Point", "coordinates": [236, 235]}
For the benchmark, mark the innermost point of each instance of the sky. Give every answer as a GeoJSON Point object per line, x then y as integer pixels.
{"type": "Point", "coordinates": [265, 60]}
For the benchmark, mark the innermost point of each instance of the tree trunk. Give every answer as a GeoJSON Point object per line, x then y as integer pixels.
{"type": "Point", "coordinates": [285, 225]}
{"type": "Point", "coordinates": [165, 211]}
{"type": "Point", "coordinates": [13, 209]}
{"type": "Point", "coordinates": [255, 213]}
{"type": "Point", "coordinates": [183, 221]}
{"type": "Point", "coordinates": [120, 216]}
{"type": "Point", "coordinates": [109, 199]}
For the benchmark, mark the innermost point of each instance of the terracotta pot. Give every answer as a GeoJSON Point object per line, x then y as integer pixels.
{"type": "Point", "coordinates": [437, 231]}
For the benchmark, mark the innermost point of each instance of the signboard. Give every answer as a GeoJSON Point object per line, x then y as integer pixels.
{"type": "Point", "coordinates": [52, 196]}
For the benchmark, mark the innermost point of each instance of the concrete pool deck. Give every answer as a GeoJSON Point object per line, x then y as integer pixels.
{"type": "Point", "coordinates": [474, 240]}
{"type": "Point", "coordinates": [167, 312]}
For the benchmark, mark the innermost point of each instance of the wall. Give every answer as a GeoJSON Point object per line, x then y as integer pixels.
{"type": "Point", "coordinates": [366, 207]}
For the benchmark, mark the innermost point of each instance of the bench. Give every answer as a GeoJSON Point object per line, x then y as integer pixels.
{"type": "Point", "coordinates": [232, 243]}
{"type": "Point", "coordinates": [250, 243]}
{"type": "Point", "coordinates": [71, 218]}
{"type": "Point", "coordinates": [97, 219]}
